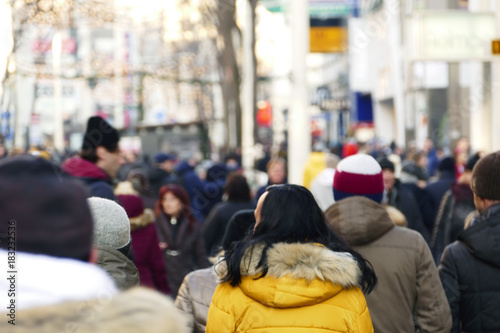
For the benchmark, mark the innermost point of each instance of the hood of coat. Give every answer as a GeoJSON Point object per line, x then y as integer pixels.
{"type": "Point", "coordinates": [325, 178]}
{"type": "Point", "coordinates": [299, 274]}
{"type": "Point", "coordinates": [142, 220]}
{"type": "Point", "coordinates": [482, 237]}
{"type": "Point", "coordinates": [81, 168]}
{"type": "Point", "coordinates": [118, 266]}
{"type": "Point", "coordinates": [138, 309]}
{"type": "Point", "coordinates": [359, 220]}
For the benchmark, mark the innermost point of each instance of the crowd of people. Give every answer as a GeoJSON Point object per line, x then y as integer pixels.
{"type": "Point", "coordinates": [375, 241]}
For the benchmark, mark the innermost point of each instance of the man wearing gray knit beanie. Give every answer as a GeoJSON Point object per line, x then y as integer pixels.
{"type": "Point", "coordinates": [470, 267]}
{"type": "Point", "coordinates": [112, 240]}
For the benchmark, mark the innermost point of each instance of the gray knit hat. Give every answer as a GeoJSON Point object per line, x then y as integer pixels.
{"type": "Point", "coordinates": [485, 180]}
{"type": "Point", "coordinates": [111, 223]}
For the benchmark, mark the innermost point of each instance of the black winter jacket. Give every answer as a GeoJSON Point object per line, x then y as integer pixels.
{"type": "Point", "coordinates": [470, 274]}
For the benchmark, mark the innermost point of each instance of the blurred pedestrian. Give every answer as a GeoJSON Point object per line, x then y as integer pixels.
{"type": "Point", "coordinates": [470, 267]}
{"type": "Point", "coordinates": [321, 186]}
{"type": "Point", "coordinates": [162, 172]}
{"type": "Point", "coordinates": [314, 165]}
{"type": "Point", "coordinates": [180, 235]}
{"type": "Point", "coordinates": [437, 189]}
{"type": "Point", "coordinates": [456, 204]}
{"type": "Point", "coordinates": [408, 291]}
{"type": "Point", "coordinates": [99, 160]}
{"type": "Point", "coordinates": [398, 196]}
{"type": "Point", "coordinates": [59, 287]}
{"type": "Point", "coordinates": [193, 186]}
{"type": "Point", "coordinates": [292, 274]}
{"type": "Point", "coordinates": [148, 257]}
{"type": "Point", "coordinates": [198, 287]}
{"type": "Point", "coordinates": [432, 157]}
{"type": "Point", "coordinates": [276, 172]}
{"type": "Point", "coordinates": [213, 186]}
{"type": "Point", "coordinates": [112, 240]}
{"type": "Point", "coordinates": [238, 198]}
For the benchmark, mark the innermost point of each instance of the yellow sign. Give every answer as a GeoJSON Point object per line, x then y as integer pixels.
{"type": "Point", "coordinates": [328, 39]}
{"type": "Point", "coordinates": [495, 46]}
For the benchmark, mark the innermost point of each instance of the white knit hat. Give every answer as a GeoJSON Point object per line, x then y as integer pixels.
{"type": "Point", "coordinates": [111, 223]}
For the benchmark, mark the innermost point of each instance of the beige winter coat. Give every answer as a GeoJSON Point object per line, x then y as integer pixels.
{"type": "Point", "coordinates": [136, 310]}
{"type": "Point", "coordinates": [409, 291]}
{"type": "Point", "coordinates": [195, 296]}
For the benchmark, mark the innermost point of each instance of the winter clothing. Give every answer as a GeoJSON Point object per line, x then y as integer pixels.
{"type": "Point", "coordinates": [307, 288]}
{"type": "Point", "coordinates": [118, 266]}
{"type": "Point", "coordinates": [216, 222]}
{"type": "Point", "coordinates": [469, 271]}
{"type": "Point", "coordinates": [148, 257]}
{"type": "Point", "coordinates": [315, 164]}
{"type": "Point", "coordinates": [436, 191]}
{"type": "Point", "coordinates": [159, 177]}
{"type": "Point", "coordinates": [408, 291]}
{"type": "Point", "coordinates": [50, 212]}
{"type": "Point", "coordinates": [194, 188]}
{"type": "Point", "coordinates": [162, 157]}
{"type": "Point", "coordinates": [195, 296]}
{"type": "Point", "coordinates": [96, 179]}
{"type": "Point", "coordinates": [213, 186]}
{"type": "Point", "coordinates": [321, 188]}
{"type": "Point", "coordinates": [132, 311]}
{"type": "Point", "coordinates": [45, 280]}
{"type": "Point", "coordinates": [185, 250]}
{"type": "Point", "coordinates": [454, 208]}
{"type": "Point", "coordinates": [432, 162]}
{"type": "Point", "coordinates": [411, 173]}
{"type": "Point", "coordinates": [485, 181]}
{"type": "Point", "coordinates": [99, 133]}
{"type": "Point", "coordinates": [111, 223]}
{"type": "Point", "coordinates": [358, 175]}
{"type": "Point", "coordinates": [404, 201]}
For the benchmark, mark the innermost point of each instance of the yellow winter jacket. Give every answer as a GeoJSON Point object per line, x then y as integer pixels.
{"type": "Point", "coordinates": [315, 164]}
{"type": "Point", "coordinates": [308, 288]}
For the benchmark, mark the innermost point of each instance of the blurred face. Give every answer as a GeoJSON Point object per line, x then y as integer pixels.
{"type": "Point", "coordinates": [276, 173]}
{"type": "Point", "coordinates": [422, 162]}
{"type": "Point", "coordinates": [168, 166]}
{"type": "Point", "coordinates": [171, 205]}
{"type": "Point", "coordinates": [389, 179]}
{"type": "Point", "coordinates": [258, 209]}
{"type": "Point", "coordinates": [110, 162]}
{"type": "Point", "coordinates": [461, 158]}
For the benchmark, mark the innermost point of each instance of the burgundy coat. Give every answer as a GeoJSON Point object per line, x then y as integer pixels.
{"type": "Point", "coordinates": [148, 257]}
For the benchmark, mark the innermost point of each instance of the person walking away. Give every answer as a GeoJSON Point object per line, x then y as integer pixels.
{"type": "Point", "coordinates": [408, 295]}
{"type": "Point", "coordinates": [470, 266]}
{"type": "Point", "coordinates": [292, 274]}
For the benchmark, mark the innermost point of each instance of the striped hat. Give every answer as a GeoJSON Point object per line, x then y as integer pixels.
{"type": "Point", "coordinates": [358, 175]}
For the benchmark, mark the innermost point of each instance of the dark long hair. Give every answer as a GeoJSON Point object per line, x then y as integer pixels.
{"type": "Point", "coordinates": [180, 193]}
{"type": "Point", "coordinates": [237, 188]}
{"type": "Point", "coordinates": [290, 214]}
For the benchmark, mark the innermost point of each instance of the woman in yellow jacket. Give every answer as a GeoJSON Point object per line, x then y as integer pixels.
{"type": "Point", "coordinates": [292, 274]}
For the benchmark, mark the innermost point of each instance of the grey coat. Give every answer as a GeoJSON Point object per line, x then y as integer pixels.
{"type": "Point", "coordinates": [195, 296]}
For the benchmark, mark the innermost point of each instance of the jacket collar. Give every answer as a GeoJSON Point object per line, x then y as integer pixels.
{"type": "Point", "coordinates": [78, 167]}
{"type": "Point", "coordinates": [142, 220]}
{"type": "Point", "coordinates": [300, 261]}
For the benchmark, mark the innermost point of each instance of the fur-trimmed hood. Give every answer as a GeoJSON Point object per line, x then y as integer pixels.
{"type": "Point", "coordinates": [298, 274]}
{"type": "Point", "coordinates": [137, 310]}
{"type": "Point", "coordinates": [142, 220]}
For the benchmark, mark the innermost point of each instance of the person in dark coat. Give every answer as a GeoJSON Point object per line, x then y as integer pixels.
{"type": "Point", "coordinates": [180, 235]}
{"type": "Point", "coordinates": [148, 257]}
{"type": "Point", "coordinates": [402, 199]}
{"type": "Point", "coordinates": [470, 267]}
{"type": "Point", "coordinates": [213, 186]}
{"type": "Point", "coordinates": [194, 188]}
{"type": "Point", "coordinates": [437, 189]}
{"type": "Point", "coordinates": [162, 172]}
{"type": "Point", "coordinates": [456, 205]}
{"type": "Point", "coordinates": [238, 198]}
{"type": "Point", "coordinates": [99, 160]}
